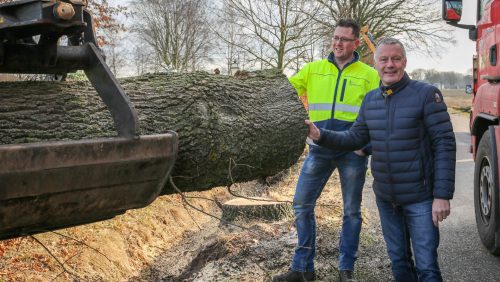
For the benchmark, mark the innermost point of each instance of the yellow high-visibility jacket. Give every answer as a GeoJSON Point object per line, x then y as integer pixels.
{"type": "Point", "coordinates": [335, 94]}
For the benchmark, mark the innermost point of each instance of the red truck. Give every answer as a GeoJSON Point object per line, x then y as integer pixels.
{"type": "Point", "coordinates": [485, 113]}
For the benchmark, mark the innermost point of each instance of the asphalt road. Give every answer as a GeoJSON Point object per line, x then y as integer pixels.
{"type": "Point", "coordinates": [462, 256]}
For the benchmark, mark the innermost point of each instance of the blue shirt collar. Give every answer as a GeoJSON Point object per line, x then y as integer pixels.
{"type": "Point", "coordinates": [392, 89]}
{"type": "Point", "coordinates": [331, 59]}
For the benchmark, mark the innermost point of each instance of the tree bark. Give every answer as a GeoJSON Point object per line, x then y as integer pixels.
{"type": "Point", "coordinates": [231, 129]}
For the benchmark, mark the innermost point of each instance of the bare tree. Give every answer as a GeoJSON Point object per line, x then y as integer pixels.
{"type": "Point", "coordinates": [434, 77]}
{"type": "Point", "coordinates": [273, 33]}
{"type": "Point", "coordinates": [142, 57]}
{"type": "Point", "coordinates": [446, 79]}
{"type": "Point", "coordinates": [176, 30]}
{"type": "Point", "coordinates": [114, 51]}
{"type": "Point", "coordinates": [416, 22]}
{"type": "Point", "coordinates": [228, 35]}
{"type": "Point", "coordinates": [451, 79]}
{"type": "Point", "coordinates": [418, 74]}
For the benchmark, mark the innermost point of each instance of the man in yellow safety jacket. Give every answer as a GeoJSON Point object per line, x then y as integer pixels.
{"type": "Point", "coordinates": [335, 88]}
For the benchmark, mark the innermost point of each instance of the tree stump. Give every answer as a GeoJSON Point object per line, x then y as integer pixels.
{"type": "Point", "coordinates": [256, 208]}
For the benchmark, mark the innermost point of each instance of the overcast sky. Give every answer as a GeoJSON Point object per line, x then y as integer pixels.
{"type": "Point", "coordinates": [454, 58]}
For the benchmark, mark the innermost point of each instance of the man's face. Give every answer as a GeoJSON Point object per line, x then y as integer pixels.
{"type": "Point", "coordinates": [344, 43]}
{"type": "Point", "coordinates": [390, 63]}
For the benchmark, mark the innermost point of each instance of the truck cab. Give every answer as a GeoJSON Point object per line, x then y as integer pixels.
{"type": "Point", "coordinates": [484, 117]}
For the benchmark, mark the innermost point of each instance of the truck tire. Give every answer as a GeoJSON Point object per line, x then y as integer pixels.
{"type": "Point", "coordinates": [486, 193]}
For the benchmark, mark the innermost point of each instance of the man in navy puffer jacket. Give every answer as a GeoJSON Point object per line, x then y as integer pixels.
{"type": "Point", "coordinates": [413, 161]}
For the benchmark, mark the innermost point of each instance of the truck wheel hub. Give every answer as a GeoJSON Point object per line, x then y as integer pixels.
{"type": "Point", "coordinates": [486, 185]}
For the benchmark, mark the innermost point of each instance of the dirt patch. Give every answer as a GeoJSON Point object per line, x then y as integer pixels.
{"type": "Point", "coordinates": [458, 101]}
{"type": "Point", "coordinates": [264, 249]}
{"type": "Point", "coordinates": [112, 250]}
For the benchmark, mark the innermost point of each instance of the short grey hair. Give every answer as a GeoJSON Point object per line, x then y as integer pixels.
{"type": "Point", "coordinates": [390, 41]}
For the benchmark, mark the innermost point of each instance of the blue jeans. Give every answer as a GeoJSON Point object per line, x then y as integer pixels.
{"type": "Point", "coordinates": [314, 174]}
{"type": "Point", "coordinates": [408, 227]}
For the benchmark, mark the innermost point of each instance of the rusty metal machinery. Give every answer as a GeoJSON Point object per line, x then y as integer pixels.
{"type": "Point", "coordinates": [50, 185]}
{"type": "Point", "coordinates": [368, 38]}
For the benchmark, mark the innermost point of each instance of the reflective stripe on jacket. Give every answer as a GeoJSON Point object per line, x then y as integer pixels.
{"type": "Point", "coordinates": [332, 93]}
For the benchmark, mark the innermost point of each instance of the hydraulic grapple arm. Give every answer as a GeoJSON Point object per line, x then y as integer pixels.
{"type": "Point", "coordinates": [21, 20]}
{"type": "Point", "coordinates": [51, 185]}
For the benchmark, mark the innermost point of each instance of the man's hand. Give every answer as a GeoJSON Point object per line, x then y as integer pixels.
{"type": "Point", "coordinates": [360, 153]}
{"type": "Point", "coordinates": [313, 130]}
{"type": "Point", "coordinates": [440, 210]}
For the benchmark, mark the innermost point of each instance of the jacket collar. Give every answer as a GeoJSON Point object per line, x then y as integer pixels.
{"type": "Point", "coordinates": [396, 87]}
{"type": "Point", "coordinates": [331, 59]}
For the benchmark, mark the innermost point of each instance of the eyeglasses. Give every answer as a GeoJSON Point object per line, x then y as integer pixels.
{"type": "Point", "coordinates": [343, 39]}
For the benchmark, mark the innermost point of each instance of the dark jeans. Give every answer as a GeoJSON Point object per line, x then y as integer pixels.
{"type": "Point", "coordinates": [313, 177]}
{"type": "Point", "coordinates": [408, 227]}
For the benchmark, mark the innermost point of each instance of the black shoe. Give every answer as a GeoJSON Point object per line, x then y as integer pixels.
{"type": "Point", "coordinates": [346, 276]}
{"type": "Point", "coordinates": [295, 276]}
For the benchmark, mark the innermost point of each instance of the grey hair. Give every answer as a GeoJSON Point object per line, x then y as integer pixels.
{"type": "Point", "coordinates": [390, 41]}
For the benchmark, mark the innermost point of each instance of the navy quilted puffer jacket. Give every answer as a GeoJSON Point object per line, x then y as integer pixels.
{"type": "Point", "coordinates": [412, 141]}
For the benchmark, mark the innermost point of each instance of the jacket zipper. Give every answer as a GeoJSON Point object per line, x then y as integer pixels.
{"type": "Point", "coordinates": [335, 94]}
{"type": "Point", "coordinates": [343, 90]}
{"type": "Point", "coordinates": [422, 159]}
{"type": "Point", "coordinates": [388, 133]}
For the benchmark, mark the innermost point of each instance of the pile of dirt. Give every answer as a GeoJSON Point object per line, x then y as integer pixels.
{"type": "Point", "coordinates": [180, 239]}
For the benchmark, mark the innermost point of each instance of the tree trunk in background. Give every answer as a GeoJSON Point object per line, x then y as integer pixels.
{"type": "Point", "coordinates": [231, 129]}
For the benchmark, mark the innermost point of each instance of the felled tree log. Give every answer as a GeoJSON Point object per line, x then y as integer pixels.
{"type": "Point", "coordinates": [231, 129]}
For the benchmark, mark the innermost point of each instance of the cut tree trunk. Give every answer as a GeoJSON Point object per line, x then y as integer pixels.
{"type": "Point", "coordinates": [231, 129]}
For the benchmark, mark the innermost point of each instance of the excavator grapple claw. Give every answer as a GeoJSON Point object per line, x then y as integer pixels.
{"type": "Point", "coordinates": [51, 185]}
{"type": "Point", "coordinates": [45, 186]}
